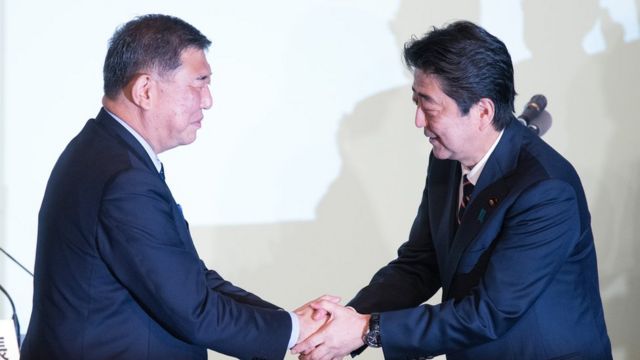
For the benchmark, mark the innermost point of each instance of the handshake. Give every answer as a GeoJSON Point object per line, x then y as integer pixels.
{"type": "Point", "coordinates": [329, 330]}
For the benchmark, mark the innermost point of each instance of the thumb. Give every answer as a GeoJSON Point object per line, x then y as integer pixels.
{"type": "Point", "coordinates": [332, 298]}
{"type": "Point", "coordinates": [326, 305]}
{"type": "Point", "coordinates": [321, 313]}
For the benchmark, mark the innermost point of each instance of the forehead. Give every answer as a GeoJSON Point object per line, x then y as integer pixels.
{"type": "Point", "coordinates": [194, 62]}
{"type": "Point", "coordinates": [425, 83]}
{"type": "Point", "coordinates": [427, 87]}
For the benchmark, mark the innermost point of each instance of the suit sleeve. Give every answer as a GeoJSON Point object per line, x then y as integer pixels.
{"type": "Point", "coordinates": [139, 241]}
{"type": "Point", "coordinates": [538, 233]}
{"type": "Point", "coordinates": [409, 280]}
{"type": "Point", "coordinates": [222, 286]}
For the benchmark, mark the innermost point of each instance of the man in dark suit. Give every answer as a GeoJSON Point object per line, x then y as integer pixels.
{"type": "Point", "coordinates": [503, 229]}
{"type": "Point", "coordinates": [117, 275]}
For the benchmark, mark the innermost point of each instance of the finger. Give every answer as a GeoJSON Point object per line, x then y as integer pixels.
{"type": "Point", "coordinates": [332, 298]}
{"type": "Point", "coordinates": [304, 310]}
{"type": "Point", "coordinates": [316, 314]}
{"type": "Point", "coordinates": [301, 349]}
{"type": "Point", "coordinates": [308, 344]}
{"type": "Point", "coordinates": [319, 314]}
{"type": "Point", "coordinates": [328, 298]}
{"type": "Point", "coordinates": [319, 353]}
{"type": "Point", "coordinates": [328, 306]}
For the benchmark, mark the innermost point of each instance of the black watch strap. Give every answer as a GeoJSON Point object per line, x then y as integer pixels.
{"type": "Point", "coordinates": [372, 337]}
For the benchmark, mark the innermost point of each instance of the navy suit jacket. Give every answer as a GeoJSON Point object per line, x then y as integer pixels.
{"type": "Point", "coordinates": [117, 275]}
{"type": "Point", "coordinates": [519, 274]}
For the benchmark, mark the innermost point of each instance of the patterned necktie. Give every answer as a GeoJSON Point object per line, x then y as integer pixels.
{"type": "Point", "coordinates": [162, 171]}
{"type": "Point", "coordinates": [467, 189]}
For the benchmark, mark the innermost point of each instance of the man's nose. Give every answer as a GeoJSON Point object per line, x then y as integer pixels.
{"type": "Point", "coordinates": [206, 99]}
{"type": "Point", "coordinates": [421, 120]}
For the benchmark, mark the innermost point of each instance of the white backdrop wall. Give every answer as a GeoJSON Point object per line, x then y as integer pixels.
{"type": "Point", "coordinates": [307, 172]}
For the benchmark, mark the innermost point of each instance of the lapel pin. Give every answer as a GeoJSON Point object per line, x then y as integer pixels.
{"type": "Point", "coordinates": [493, 201]}
{"type": "Point", "coordinates": [481, 215]}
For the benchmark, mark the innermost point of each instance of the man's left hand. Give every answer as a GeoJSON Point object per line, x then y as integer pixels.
{"type": "Point", "coordinates": [339, 336]}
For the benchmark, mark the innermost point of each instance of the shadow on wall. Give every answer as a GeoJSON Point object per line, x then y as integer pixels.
{"type": "Point", "coordinates": [367, 211]}
{"type": "Point", "coordinates": [616, 207]}
{"type": "Point", "coordinates": [593, 99]}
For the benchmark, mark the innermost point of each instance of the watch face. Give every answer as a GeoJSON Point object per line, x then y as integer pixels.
{"type": "Point", "coordinates": [373, 339]}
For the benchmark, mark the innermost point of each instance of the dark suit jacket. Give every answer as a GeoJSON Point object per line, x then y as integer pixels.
{"type": "Point", "coordinates": [519, 274]}
{"type": "Point", "coordinates": [117, 275]}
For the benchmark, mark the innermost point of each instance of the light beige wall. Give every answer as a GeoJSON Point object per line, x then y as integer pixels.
{"type": "Point", "coordinates": [593, 99]}
{"type": "Point", "coordinates": [367, 212]}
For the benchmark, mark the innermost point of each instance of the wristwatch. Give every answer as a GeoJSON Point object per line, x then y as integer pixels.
{"type": "Point", "coordinates": [372, 337]}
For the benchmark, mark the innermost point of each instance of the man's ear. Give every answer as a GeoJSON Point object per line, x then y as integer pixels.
{"type": "Point", "coordinates": [486, 110]}
{"type": "Point", "coordinates": [139, 90]}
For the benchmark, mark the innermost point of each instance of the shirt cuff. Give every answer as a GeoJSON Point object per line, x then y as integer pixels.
{"type": "Point", "coordinates": [295, 330]}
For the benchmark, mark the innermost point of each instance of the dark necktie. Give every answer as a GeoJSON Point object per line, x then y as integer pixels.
{"type": "Point", "coordinates": [467, 189]}
{"type": "Point", "coordinates": [162, 176]}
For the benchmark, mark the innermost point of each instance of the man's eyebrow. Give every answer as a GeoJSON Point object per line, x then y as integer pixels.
{"type": "Point", "coordinates": [424, 97]}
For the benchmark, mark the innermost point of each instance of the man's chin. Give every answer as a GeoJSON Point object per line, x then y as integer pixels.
{"type": "Point", "coordinates": [190, 140]}
{"type": "Point", "coordinates": [440, 154]}
{"type": "Point", "coordinates": [190, 137]}
{"type": "Point", "coordinates": [185, 141]}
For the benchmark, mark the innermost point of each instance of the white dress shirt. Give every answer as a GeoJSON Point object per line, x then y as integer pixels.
{"type": "Point", "coordinates": [473, 174]}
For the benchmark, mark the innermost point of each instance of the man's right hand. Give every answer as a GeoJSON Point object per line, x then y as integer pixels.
{"type": "Point", "coordinates": [311, 319]}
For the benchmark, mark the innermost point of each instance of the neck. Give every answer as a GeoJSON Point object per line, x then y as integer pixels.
{"type": "Point", "coordinates": [130, 114]}
{"type": "Point", "coordinates": [486, 141]}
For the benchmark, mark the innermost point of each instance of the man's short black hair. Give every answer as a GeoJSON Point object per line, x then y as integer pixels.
{"type": "Point", "coordinates": [149, 42]}
{"type": "Point", "coordinates": [470, 64]}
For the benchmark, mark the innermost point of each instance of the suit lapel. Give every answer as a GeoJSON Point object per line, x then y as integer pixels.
{"type": "Point", "coordinates": [107, 123]}
{"type": "Point", "coordinates": [486, 198]}
{"type": "Point", "coordinates": [443, 197]}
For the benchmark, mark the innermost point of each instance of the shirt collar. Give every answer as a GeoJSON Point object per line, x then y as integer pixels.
{"type": "Point", "coordinates": [473, 174]}
{"type": "Point", "coordinates": [141, 140]}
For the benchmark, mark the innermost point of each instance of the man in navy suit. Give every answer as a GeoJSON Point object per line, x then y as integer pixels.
{"type": "Point", "coordinates": [503, 229]}
{"type": "Point", "coordinates": [117, 275]}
